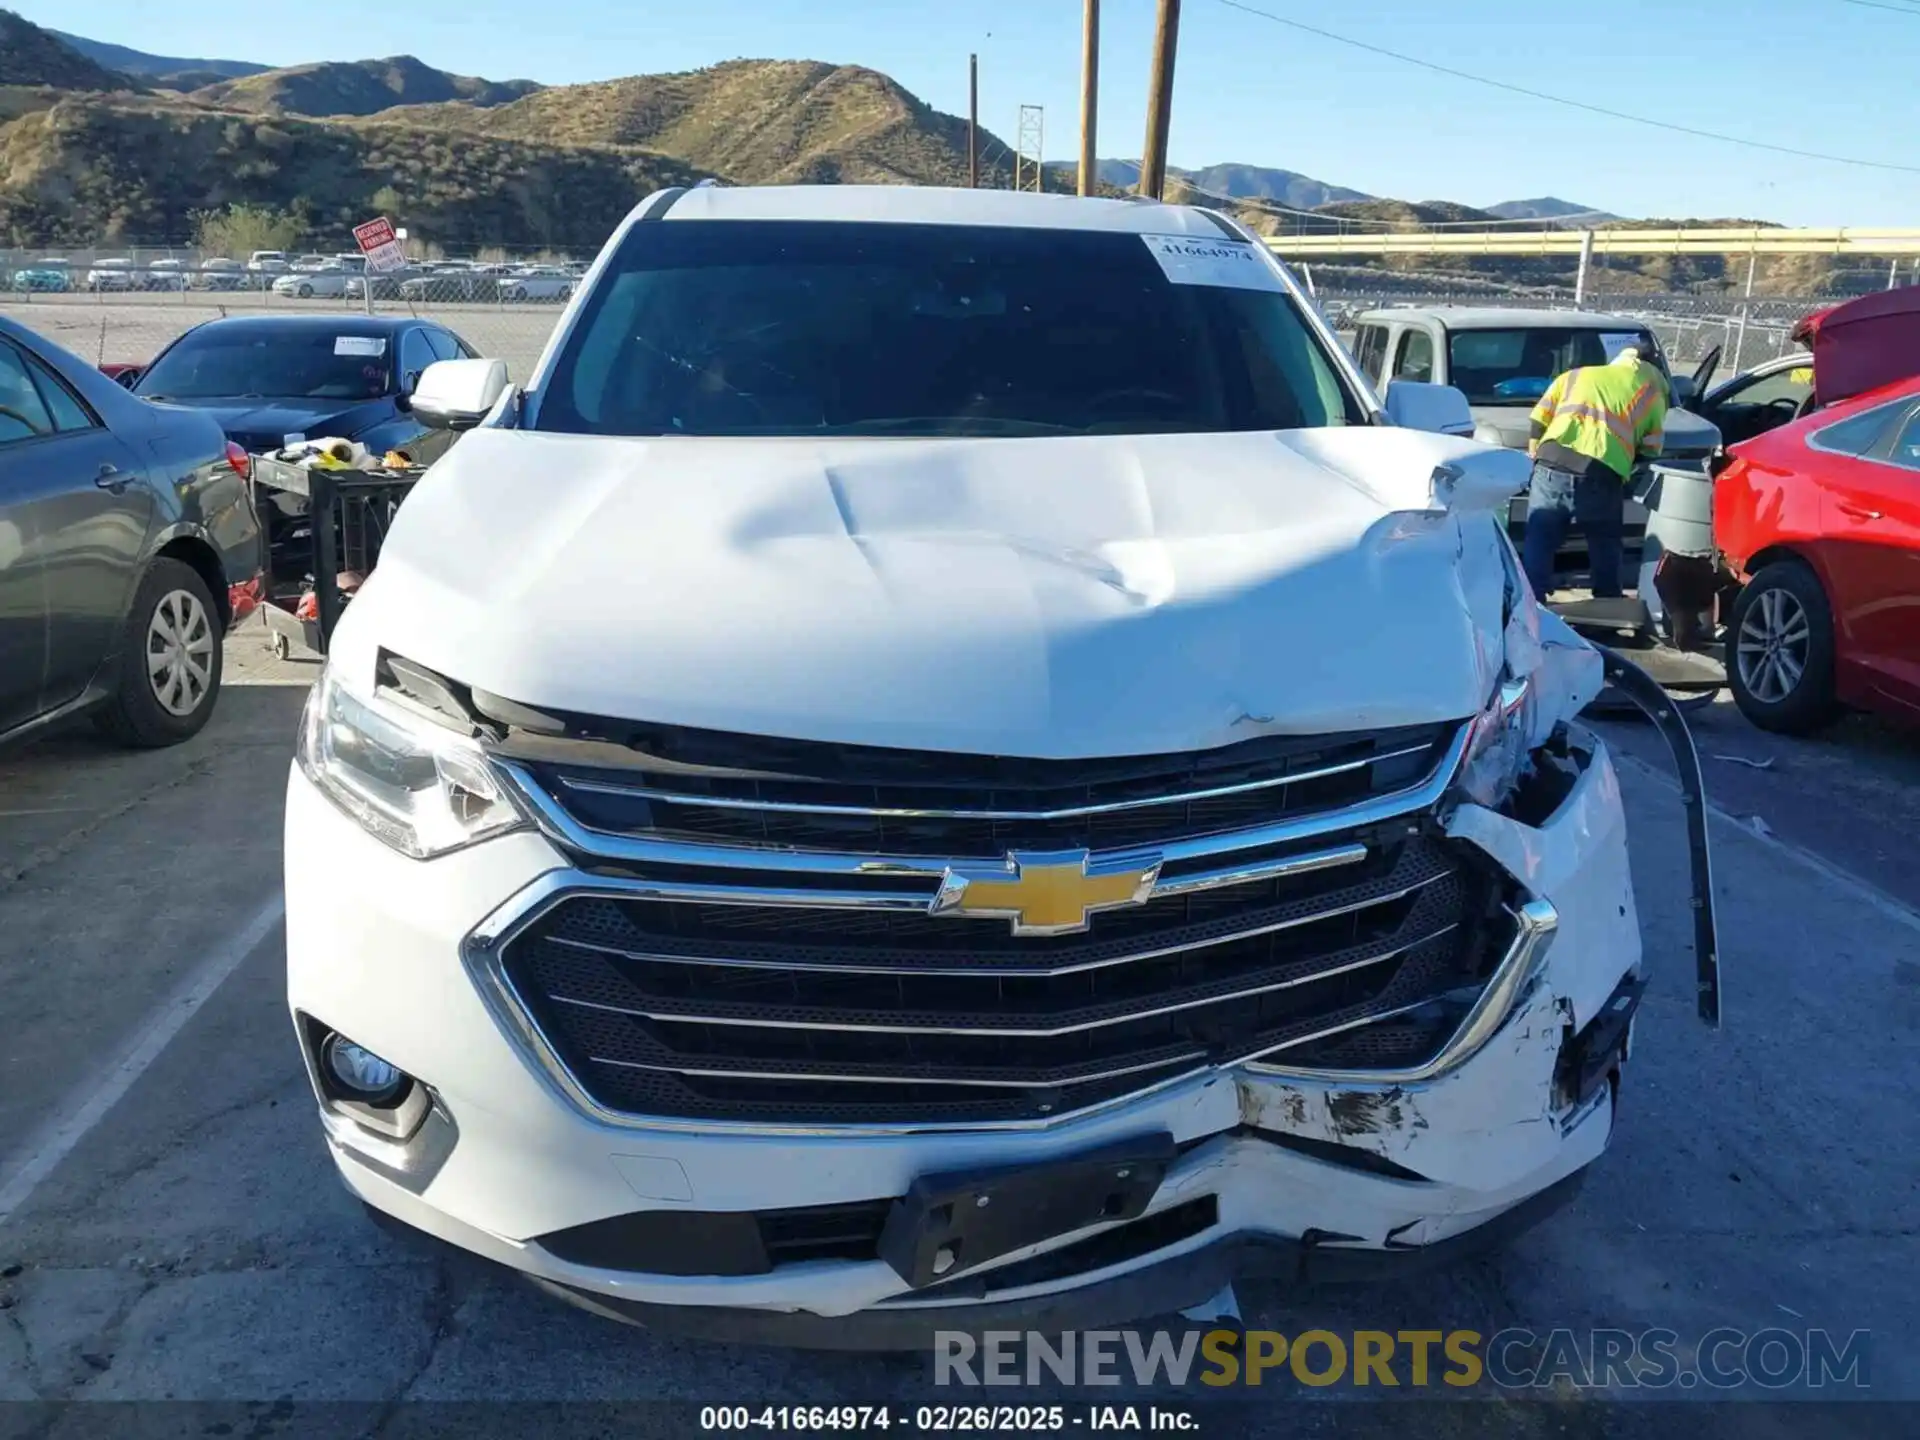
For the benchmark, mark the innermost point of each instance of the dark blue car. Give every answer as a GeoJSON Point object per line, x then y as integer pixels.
{"type": "Point", "coordinates": [271, 381]}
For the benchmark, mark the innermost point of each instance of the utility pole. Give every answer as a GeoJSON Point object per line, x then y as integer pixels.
{"type": "Point", "coordinates": [1580, 275]}
{"type": "Point", "coordinates": [1740, 336]}
{"type": "Point", "coordinates": [1089, 96]}
{"type": "Point", "coordinates": [973, 122]}
{"type": "Point", "coordinates": [1153, 160]}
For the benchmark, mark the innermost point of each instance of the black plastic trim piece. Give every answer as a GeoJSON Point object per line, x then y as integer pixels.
{"type": "Point", "coordinates": [1220, 224]}
{"type": "Point", "coordinates": [1589, 1058]}
{"type": "Point", "coordinates": [1161, 1289]}
{"type": "Point", "coordinates": [662, 203]}
{"type": "Point", "coordinates": [1641, 688]}
{"type": "Point", "coordinates": [1347, 1157]}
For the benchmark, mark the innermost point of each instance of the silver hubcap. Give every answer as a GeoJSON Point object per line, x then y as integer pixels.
{"type": "Point", "coordinates": [179, 652]}
{"type": "Point", "coordinates": [1773, 647]}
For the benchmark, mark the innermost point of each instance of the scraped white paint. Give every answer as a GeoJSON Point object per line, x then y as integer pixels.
{"type": "Point", "coordinates": [89, 1105]}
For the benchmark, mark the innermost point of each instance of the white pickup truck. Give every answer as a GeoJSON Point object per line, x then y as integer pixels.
{"type": "Point", "coordinates": [948, 761]}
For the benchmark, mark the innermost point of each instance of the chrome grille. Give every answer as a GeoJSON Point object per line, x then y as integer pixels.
{"type": "Point", "coordinates": [740, 977]}
{"type": "Point", "coordinates": [826, 797]}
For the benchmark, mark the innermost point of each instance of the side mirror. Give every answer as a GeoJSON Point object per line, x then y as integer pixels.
{"type": "Point", "coordinates": [1684, 392]}
{"type": "Point", "coordinates": [1438, 409]}
{"type": "Point", "coordinates": [459, 394]}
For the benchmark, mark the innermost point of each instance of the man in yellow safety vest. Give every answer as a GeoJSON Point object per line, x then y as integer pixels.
{"type": "Point", "coordinates": [1589, 430]}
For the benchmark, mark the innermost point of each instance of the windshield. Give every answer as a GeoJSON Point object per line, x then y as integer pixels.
{"type": "Point", "coordinates": [812, 328]}
{"type": "Point", "coordinates": [1515, 367]}
{"type": "Point", "coordinates": [281, 362]}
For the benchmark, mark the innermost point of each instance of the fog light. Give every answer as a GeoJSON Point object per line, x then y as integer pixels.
{"type": "Point", "coordinates": [360, 1073]}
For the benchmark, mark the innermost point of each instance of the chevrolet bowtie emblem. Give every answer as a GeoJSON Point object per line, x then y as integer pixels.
{"type": "Point", "coordinates": [1046, 893]}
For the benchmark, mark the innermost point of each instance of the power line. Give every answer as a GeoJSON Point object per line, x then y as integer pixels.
{"type": "Point", "coordinates": [1875, 5]}
{"type": "Point", "coordinates": [1563, 100]}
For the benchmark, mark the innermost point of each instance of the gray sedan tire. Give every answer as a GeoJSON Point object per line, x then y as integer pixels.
{"type": "Point", "coordinates": [170, 654]}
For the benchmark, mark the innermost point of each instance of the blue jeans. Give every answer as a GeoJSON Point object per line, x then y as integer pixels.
{"type": "Point", "coordinates": [1555, 501]}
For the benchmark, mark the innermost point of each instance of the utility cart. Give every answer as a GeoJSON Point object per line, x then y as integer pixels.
{"type": "Point", "coordinates": [321, 523]}
{"type": "Point", "coordinates": [1667, 626]}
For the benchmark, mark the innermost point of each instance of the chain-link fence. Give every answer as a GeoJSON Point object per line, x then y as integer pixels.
{"type": "Point", "coordinates": [1688, 326]}
{"type": "Point", "coordinates": [124, 307]}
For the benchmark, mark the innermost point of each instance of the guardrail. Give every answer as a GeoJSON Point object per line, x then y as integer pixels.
{"type": "Point", "coordinates": [1758, 241]}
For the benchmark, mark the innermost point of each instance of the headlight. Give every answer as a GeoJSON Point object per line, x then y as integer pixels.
{"type": "Point", "coordinates": [1500, 747]}
{"type": "Point", "coordinates": [418, 787]}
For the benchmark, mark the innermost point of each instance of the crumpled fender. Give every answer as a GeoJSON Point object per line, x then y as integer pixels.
{"type": "Point", "coordinates": [1575, 860]}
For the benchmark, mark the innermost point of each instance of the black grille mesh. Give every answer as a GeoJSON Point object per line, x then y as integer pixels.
{"type": "Point", "coordinates": [911, 1025]}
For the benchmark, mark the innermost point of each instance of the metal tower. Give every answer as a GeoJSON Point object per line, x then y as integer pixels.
{"type": "Point", "coordinates": [1029, 158]}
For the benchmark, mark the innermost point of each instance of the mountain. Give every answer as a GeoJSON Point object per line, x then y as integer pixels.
{"type": "Point", "coordinates": [1253, 182]}
{"type": "Point", "coordinates": [757, 122]}
{"type": "Point", "coordinates": [158, 68]}
{"type": "Point", "coordinates": [32, 56]}
{"type": "Point", "coordinates": [1549, 208]}
{"type": "Point", "coordinates": [144, 167]}
{"type": "Point", "coordinates": [87, 153]}
{"type": "Point", "coordinates": [1240, 182]}
{"type": "Point", "coordinates": [356, 87]}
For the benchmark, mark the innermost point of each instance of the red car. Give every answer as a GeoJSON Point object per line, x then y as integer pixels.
{"type": "Point", "coordinates": [1819, 521]}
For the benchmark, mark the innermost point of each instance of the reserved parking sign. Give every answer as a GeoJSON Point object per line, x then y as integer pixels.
{"type": "Point", "coordinates": [380, 245]}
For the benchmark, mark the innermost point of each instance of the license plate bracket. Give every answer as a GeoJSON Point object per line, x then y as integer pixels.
{"type": "Point", "coordinates": [951, 1223]}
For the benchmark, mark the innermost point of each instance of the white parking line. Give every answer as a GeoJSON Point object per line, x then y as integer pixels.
{"type": "Point", "coordinates": [89, 1104]}
{"type": "Point", "coordinates": [1867, 893]}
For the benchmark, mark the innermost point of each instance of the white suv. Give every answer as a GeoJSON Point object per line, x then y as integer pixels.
{"type": "Point", "coordinates": [948, 761]}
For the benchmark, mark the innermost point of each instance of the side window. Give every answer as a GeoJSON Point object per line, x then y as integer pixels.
{"type": "Point", "coordinates": [1415, 358]}
{"type": "Point", "coordinates": [23, 414]}
{"type": "Point", "coordinates": [1370, 350]}
{"type": "Point", "coordinates": [415, 355]}
{"type": "Point", "coordinates": [1857, 434]}
{"type": "Point", "coordinates": [68, 412]}
{"type": "Point", "coordinates": [444, 346]}
{"type": "Point", "coordinates": [1795, 385]}
{"type": "Point", "coordinates": [467, 352]}
{"type": "Point", "coordinates": [1906, 447]}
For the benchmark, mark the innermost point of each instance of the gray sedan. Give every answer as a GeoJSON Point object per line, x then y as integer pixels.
{"type": "Point", "coordinates": [128, 546]}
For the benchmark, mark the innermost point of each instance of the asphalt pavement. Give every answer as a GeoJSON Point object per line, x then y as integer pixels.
{"type": "Point", "coordinates": [171, 1228]}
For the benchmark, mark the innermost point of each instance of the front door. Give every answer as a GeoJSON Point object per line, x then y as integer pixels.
{"type": "Point", "coordinates": [84, 497]}
{"type": "Point", "coordinates": [23, 602]}
{"type": "Point", "coordinates": [1870, 513]}
{"type": "Point", "coordinates": [1755, 404]}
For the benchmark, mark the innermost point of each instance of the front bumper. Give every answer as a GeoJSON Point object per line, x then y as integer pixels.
{"type": "Point", "coordinates": [1314, 1173]}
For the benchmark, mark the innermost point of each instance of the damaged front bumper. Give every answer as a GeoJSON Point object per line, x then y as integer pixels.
{"type": "Point", "coordinates": [1306, 1173]}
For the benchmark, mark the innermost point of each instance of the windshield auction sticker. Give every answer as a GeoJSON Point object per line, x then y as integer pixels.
{"type": "Point", "coordinates": [1613, 344]}
{"type": "Point", "coordinates": [1194, 260]}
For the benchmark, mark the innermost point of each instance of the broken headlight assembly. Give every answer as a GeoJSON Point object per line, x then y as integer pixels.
{"type": "Point", "coordinates": [1499, 749]}
{"type": "Point", "coordinates": [411, 783]}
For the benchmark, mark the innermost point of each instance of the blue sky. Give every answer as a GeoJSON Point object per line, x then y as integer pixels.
{"type": "Point", "coordinates": [1821, 75]}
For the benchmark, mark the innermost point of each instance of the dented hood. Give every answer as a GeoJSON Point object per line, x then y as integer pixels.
{"type": "Point", "coordinates": [1058, 597]}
